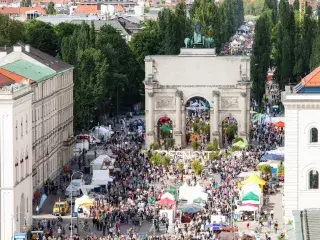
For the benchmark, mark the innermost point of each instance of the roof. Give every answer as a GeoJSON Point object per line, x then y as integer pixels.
{"type": "Point", "coordinates": [14, 77]}
{"type": "Point", "coordinates": [4, 81]}
{"type": "Point", "coordinates": [99, 23]}
{"type": "Point", "coordinates": [54, 63]}
{"type": "Point", "coordinates": [312, 79]}
{"type": "Point", "coordinates": [21, 10]}
{"type": "Point", "coordinates": [87, 9]}
{"type": "Point", "coordinates": [29, 70]}
{"type": "Point", "coordinates": [118, 8]}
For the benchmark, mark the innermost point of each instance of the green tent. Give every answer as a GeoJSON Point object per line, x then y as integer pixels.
{"type": "Point", "coordinates": [240, 144]}
{"type": "Point", "coordinates": [171, 190]}
{"type": "Point", "coordinates": [165, 128]}
{"type": "Point", "coordinates": [151, 201]}
{"type": "Point", "coordinates": [198, 200]}
{"type": "Point", "coordinates": [250, 197]}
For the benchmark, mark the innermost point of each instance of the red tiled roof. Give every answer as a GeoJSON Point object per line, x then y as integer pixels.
{"type": "Point", "coordinates": [87, 9]}
{"type": "Point", "coordinates": [312, 79]}
{"type": "Point", "coordinates": [21, 11]}
{"type": "Point", "coordinates": [119, 8]}
{"type": "Point", "coordinates": [13, 76]}
{"type": "Point", "coordinates": [4, 81]}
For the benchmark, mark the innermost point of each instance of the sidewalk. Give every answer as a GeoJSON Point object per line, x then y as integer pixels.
{"type": "Point", "coordinates": [275, 204]}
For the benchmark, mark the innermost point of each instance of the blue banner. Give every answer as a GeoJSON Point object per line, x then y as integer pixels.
{"type": "Point", "coordinates": [20, 236]}
{"type": "Point", "coordinates": [42, 200]}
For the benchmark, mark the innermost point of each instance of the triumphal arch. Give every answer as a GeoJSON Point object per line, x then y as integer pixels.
{"type": "Point", "coordinates": [193, 81]}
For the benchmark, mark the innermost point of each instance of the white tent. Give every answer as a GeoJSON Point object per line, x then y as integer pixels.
{"type": "Point", "coordinates": [101, 177]}
{"type": "Point", "coordinates": [251, 187]}
{"type": "Point", "coordinates": [96, 164]}
{"type": "Point", "coordinates": [191, 193]}
{"type": "Point", "coordinates": [168, 195]}
{"type": "Point", "coordinates": [85, 200]}
{"type": "Point", "coordinates": [248, 174]}
{"type": "Point", "coordinates": [235, 43]}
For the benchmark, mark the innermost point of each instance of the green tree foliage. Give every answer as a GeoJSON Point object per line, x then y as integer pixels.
{"type": "Point", "coordinates": [260, 59]}
{"type": "Point", "coordinates": [166, 36]}
{"type": "Point", "coordinates": [253, 8]}
{"type": "Point", "coordinates": [180, 166]}
{"type": "Point", "coordinates": [50, 10]}
{"type": "Point", "coordinates": [26, 3]}
{"type": "Point", "coordinates": [11, 31]}
{"type": "Point", "coordinates": [197, 167]}
{"type": "Point", "coordinates": [195, 145]}
{"type": "Point", "coordinates": [42, 36]}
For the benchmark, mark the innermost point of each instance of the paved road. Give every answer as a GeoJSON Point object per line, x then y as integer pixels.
{"type": "Point", "coordinates": [275, 204]}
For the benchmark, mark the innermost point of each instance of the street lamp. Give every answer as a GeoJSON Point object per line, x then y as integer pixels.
{"type": "Point", "coordinates": [71, 227]}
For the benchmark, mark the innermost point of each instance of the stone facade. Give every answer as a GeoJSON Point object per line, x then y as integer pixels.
{"type": "Point", "coordinates": [172, 80]}
{"type": "Point", "coordinates": [302, 114]}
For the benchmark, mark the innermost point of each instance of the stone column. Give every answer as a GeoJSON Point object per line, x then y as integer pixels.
{"type": "Point", "coordinates": [243, 131]}
{"type": "Point", "coordinates": [183, 126]}
{"type": "Point", "coordinates": [214, 117]}
{"type": "Point", "coordinates": [177, 130]}
{"type": "Point", "coordinates": [150, 119]}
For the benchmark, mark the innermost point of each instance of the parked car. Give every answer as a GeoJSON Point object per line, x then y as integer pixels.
{"type": "Point", "coordinates": [60, 208]}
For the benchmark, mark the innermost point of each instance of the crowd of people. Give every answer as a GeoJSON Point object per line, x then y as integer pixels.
{"type": "Point", "coordinates": [137, 184]}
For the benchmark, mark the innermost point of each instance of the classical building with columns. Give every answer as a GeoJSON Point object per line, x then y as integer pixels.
{"type": "Point", "coordinates": [171, 81]}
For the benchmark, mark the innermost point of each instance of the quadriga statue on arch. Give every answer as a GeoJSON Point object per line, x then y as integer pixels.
{"type": "Point", "coordinates": [198, 41]}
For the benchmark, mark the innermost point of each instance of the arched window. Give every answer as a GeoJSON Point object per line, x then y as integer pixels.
{"type": "Point", "coordinates": [313, 135]}
{"type": "Point", "coordinates": [313, 179]}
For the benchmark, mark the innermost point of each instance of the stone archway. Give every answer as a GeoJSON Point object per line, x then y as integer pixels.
{"type": "Point", "coordinates": [229, 130]}
{"type": "Point", "coordinates": [197, 123]}
{"type": "Point", "coordinates": [22, 213]}
{"type": "Point", "coordinates": [165, 132]}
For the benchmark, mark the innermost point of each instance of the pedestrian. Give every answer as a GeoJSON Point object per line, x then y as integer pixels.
{"type": "Point", "coordinates": [248, 225]}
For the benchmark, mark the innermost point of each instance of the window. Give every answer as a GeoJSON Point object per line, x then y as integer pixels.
{"type": "Point", "coordinates": [21, 127]}
{"type": "Point", "coordinates": [313, 179]}
{"type": "Point", "coordinates": [313, 135]}
{"type": "Point", "coordinates": [27, 125]}
{"type": "Point", "coordinates": [17, 129]}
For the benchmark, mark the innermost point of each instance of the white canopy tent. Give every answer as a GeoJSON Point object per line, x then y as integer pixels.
{"type": "Point", "coordinates": [101, 177]}
{"type": "Point", "coordinates": [191, 193]}
{"type": "Point", "coordinates": [96, 164]}
{"type": "Point", "coordinates": [251, 187]}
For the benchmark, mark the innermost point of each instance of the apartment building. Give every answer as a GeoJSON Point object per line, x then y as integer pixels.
{"type": "Point", "coordinates": [15, 155]}
{"type": "Point", "coordinates": [52, 108]}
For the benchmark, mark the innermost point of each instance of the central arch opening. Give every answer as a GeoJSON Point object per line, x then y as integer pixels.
{"type": "Point", "coordinates": [197, 122]}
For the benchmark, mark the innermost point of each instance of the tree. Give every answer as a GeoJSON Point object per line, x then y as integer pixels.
{"type": "Point", "coordinates": [180, 166]}
{"type": "Point", "coordinates": [50, 10]}
{"type": "Point", "coordinates": [315, 56]}
{"type": "Point", "coordinates": [11, 31]}
{"type": "Point", "coordinates": [296, 5]}
{"type": "Point", "coordinates": [260, 59]}
{"type": "Point", "coordinates": [91, 72]}
{"type": "Point", "coordinates": [156, 159]}
{"type": "Point", "coordinates": [195, 145]}
{"type": "Point", "coordinates": [146, 42]}
{"type": "Point", "coordinates": [265, 169]}
{"type": "Point", "coordinates": [197, 167]}
{"type": "Point", "coordinates": [42, 36]}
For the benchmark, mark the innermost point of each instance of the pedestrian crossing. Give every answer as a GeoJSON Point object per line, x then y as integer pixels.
{"type": "Point", "coordinates": [162, 229]}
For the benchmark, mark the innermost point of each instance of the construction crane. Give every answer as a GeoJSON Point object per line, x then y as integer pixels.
{"type": "Point", "coordinates": [302, 8]}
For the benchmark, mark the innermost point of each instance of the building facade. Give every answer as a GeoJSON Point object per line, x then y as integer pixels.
{"type": "Point", "coordinates": [172, 82]}
{"type": "Point", "coordinates": [302, 145]}
{"type": "Point", "coordinates": [15, 159]}
{"type": "Point", "coordinates": [52, 108]}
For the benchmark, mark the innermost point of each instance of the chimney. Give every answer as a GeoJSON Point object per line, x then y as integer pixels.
{"type": "Point", "coordinates": [17, 48]}
{"type": "Point", "coordinates": [27, 47]}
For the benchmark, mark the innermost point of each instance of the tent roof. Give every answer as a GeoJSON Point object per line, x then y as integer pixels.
{"type": "Point", "coordinates": [255, 179]}
{"type": "Point", "coordinates": [250, 197]}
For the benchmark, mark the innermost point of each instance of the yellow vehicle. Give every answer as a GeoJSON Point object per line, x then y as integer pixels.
{"type": "Point", "coordinates": [60, 207]}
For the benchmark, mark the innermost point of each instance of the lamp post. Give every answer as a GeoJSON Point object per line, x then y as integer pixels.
{"type": "Point", "coordinates": [71, 227]}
